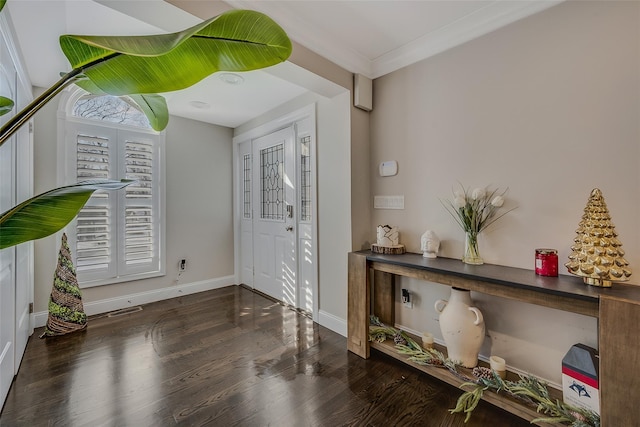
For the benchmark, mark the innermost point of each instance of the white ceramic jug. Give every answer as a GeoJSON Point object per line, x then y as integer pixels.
{"type": "Point", "coordinates": [462, 327]}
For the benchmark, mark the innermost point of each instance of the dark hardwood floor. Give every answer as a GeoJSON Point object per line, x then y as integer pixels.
{"type": "Point", "coordinates": [222, 358]}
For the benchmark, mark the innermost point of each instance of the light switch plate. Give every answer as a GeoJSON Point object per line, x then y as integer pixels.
{"type": "Point", "coordinates": [388, 202]}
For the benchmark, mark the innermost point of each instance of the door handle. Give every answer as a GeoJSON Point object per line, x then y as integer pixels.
{"type": "Point", "coordinates": [289, 228]}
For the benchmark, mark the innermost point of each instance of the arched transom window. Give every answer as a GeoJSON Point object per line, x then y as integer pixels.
{"type": "Point", "coordinates": [111, 109]}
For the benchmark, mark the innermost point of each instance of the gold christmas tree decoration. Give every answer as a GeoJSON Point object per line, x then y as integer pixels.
{"type": "Point", "coordinates": [597, 254]}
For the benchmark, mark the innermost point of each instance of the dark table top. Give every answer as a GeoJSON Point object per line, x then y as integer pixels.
{"type": "Point", "coordinates": [565, 285]}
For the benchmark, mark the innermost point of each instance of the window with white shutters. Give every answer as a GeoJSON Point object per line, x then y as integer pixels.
{"type": "Point", "coordinates": [118, 234]}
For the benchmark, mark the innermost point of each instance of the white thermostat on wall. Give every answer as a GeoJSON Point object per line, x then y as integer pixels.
{"type": "Point", "coordinates": [388, 168]}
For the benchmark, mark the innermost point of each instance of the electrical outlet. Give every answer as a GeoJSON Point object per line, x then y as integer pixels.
{"type": "Point", "coordinates": [406, 298]}
{"type": "Point", "coordinates": [182, 266]}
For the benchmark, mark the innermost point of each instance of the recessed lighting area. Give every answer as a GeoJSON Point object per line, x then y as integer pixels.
{"type": "Point", "coordinates": [201, 105]}
{"type": "Point", "coordinates": [231, 78]}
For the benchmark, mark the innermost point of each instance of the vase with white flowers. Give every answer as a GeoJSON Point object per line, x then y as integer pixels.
{"type": "Point", "coordinates": [474, 211]}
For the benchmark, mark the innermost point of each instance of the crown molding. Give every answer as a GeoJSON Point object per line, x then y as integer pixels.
{"type": "Point", "coordinates": [493, 16]}
{"type": "Point", "coordinates": [482, 21]}
{"type": "Point", "coordinates": [297, 29]}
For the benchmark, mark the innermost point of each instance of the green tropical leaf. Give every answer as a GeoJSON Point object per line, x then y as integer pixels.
{"type": "Point", "coordinates": [2, 2]}
{"type": "Point", "coordinates": [6, 104]}
{"type": "Point", "coordinates": [49, 212]}
{"type": "Point", "coordinates": [155, 108]}
{"type": "Point", "coordinates": [237, 40]}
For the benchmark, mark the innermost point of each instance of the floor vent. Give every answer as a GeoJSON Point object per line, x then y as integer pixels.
{"type": "Point", "coordinates": [124, 311]}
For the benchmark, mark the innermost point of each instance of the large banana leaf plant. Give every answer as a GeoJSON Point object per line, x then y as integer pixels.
{"type": "Point", "coordinates": [138, 67]}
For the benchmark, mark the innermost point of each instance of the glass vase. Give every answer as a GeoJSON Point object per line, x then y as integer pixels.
{"type": "Point", "coordinates": [471, 252]}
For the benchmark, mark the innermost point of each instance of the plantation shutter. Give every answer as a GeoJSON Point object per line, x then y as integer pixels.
{"type": "Point", "coordinates": [95, 233]}
{"type": "Point", "coordinates": [140, 246]}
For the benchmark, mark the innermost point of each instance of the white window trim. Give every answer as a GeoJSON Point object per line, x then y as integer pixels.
{"type": "Point", "coordinates": [66, 160]}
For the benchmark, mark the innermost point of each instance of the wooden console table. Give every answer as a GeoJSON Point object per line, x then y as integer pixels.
{"type": "Point", "coordinates": [617, 308]}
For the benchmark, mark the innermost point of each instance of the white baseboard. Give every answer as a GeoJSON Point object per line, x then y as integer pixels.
{"type": "Point", "coordinates": [124, 301]}
{"type": "Point", "coordinates": [335, 323]}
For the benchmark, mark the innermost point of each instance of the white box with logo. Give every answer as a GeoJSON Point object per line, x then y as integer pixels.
{"type": "Point", "coordinates": [580, 385]}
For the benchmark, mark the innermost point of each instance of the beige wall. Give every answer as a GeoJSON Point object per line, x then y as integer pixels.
{"type": "Point", "coordinates": [548, 106]}
{"type": "Point", "coordinates": [199, 198]}
{"type": "Point", "coordinates": [198, 207]}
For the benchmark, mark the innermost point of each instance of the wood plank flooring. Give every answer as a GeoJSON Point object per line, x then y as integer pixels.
{"type": "Point", "coordinates": [225, 357]}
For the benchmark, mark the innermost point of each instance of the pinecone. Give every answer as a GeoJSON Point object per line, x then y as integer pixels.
{"type": "Point", "coordinates": [435, 362]}
{"type": "Point", "coordinates": [398, 339]}
{"type": "Point", "coordinates": [578, 416]}
{"type": "Point", "coordinates": [482, 373]}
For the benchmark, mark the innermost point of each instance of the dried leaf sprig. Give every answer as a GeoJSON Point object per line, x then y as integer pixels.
{"type": "Point", "coordinates": [379, 332]}
{"type": "Point", "coordinates": [429, 357]}
{"type": "Point", "coordinates": [531, 390]}
{"type": "Point", "coordinates": [558, 411]}
{"type": "Point", "coordinates": [468, 401]}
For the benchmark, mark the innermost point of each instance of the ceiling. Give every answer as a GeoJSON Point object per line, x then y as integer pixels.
{"type": "Point", "coordinates": [372, 38]}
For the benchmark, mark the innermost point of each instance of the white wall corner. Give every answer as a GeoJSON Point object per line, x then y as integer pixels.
{"type": "Point", "coordinates": [335, 323]}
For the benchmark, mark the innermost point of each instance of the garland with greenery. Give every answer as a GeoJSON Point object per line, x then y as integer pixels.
{"type": "Point", "coordinates": [528, 389]}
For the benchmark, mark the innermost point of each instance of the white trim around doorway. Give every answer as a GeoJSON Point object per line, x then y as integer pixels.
{"type": "Point", "coordinates": [289, 119]}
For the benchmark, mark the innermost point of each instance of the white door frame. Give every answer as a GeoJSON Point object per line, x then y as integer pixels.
{"type": "Point", "coordinates": [308, 114]}
{"type": "Point", "coordinates": [16, 263]}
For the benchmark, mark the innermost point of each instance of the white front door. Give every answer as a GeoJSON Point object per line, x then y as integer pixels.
{"type": "Point", "coordinates": [274, 231]}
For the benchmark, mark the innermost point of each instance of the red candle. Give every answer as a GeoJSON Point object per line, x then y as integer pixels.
{"type": "Point", "coordinates": [547, 262]}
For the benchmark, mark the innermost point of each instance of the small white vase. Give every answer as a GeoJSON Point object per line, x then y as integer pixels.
{"type": "Point", "coordinates": [462, 327]}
